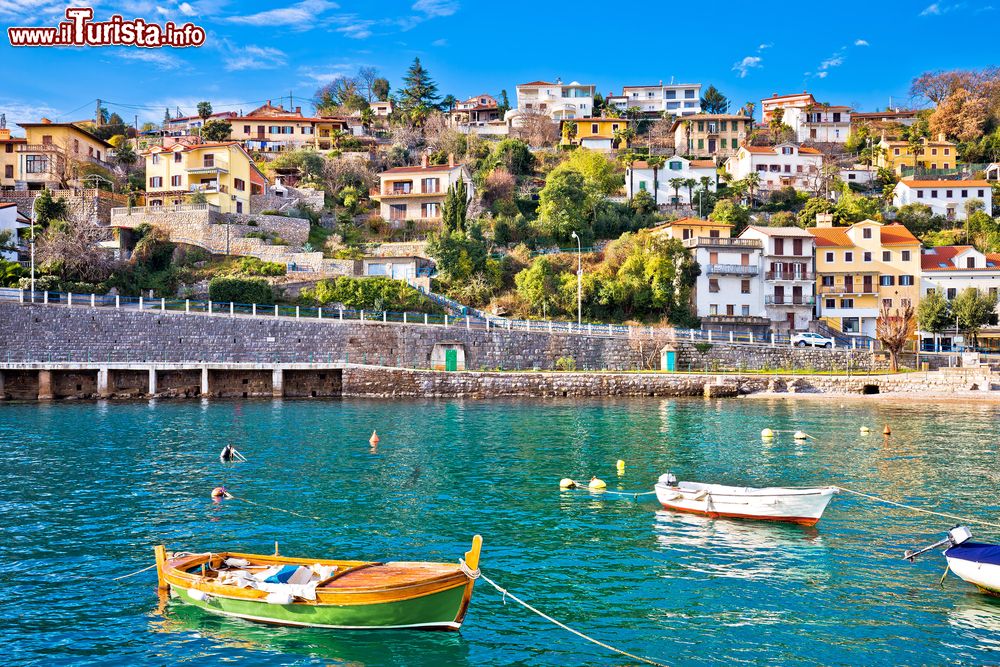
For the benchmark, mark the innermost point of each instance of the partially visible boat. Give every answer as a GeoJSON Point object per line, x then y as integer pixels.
{"type": "Point", "coordinates": [975, 562]}
{"type": "Point", "coordinates": [322, 593]}
{"type": "Point", "coordinates": [801, 506]}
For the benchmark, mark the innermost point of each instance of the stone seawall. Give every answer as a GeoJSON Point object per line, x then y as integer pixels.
{"type": "Point", "coordinates": [714, 357]}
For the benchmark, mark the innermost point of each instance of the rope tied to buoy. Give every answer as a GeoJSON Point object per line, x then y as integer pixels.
{"type": "Point", "coordinates": [507, 594]}
{"type": "Point", "coordinates": [920, 509]}
{"type": "Point", "coordinates": [271, 507]}
{"type": "Point", "coordinates": [126, 576]}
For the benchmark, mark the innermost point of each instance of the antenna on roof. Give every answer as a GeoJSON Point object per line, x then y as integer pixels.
{"type": "Point", "coordinates": [3, 121]}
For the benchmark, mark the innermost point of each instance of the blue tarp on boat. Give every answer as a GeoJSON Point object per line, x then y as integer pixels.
{"type": "Point", "coordinates": [976, 552]}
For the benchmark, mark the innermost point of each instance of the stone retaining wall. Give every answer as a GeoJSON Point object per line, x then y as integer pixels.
{"type": "Point", "coordinates": [723, 357]}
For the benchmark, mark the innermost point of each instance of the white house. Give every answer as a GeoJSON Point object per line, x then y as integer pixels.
{"type": "Point", "coordinates": [778, 166]}
{"type": "Point", "coordinates": [859, 174]}
{"type": "Point", "coordinates": [556, 100]}
{"type": "Point", "coordinates": [769, 105]}
{"type": "Point", "coordinates": [11, 220]}
{"type": "Point", "coordinates": [730, 284]}
{"type": "Point", "coordinates": [787, 272]}
{"type": "Point", "coordinates": [641, 177]}
{"type": "Point", "coordinates": [950, 270]}
{"type": "Point", "coordinates": [947, 198]}
{"type": "Point", "coordinates": [417, 193]}
{"type": "Point", "coordinates": [678, 99]}
{"type": "Point", "coordinates": [819, 123]}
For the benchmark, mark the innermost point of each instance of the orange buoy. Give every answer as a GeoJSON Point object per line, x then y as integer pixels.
{"type": "Point", "coordinates": [887, 430]}
{"type": "Point", "coordinates": [219, 492]}
{"type": "Point", "coordinates": [374, 439]}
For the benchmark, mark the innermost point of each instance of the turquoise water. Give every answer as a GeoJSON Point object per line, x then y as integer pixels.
{"type": "Point", "coordinates": [87, 489]}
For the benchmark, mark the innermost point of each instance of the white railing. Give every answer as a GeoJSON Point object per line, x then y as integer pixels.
{"type": "Point", "coordinates": [166, 208]}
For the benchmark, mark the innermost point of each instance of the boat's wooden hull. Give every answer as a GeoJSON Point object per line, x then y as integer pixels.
{"type": "Point", "coordinates": [798, 506]}
{"type": "Point", "coordinates": [358, 595]}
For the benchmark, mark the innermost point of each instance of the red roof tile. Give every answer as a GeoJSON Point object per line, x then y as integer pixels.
{"type": "Point", "coordinates": [835, 237]}
{"type": "Point", "coordinates": [946, 184]}
{"type": "Point", "coordinates": [897, 234]}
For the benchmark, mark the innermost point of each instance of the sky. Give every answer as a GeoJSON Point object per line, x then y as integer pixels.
{"type": "Point", "coordinates": [258, 50]}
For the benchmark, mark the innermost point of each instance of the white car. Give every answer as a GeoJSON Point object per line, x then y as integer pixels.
{"type": "Point", "coordinates": [813, 339]}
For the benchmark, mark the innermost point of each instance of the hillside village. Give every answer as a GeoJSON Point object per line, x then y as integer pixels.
{"type": "Point", "coordinates": [679, 206]}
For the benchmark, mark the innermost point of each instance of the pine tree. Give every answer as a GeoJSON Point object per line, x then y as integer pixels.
{"type": "Point", "coordinates": [419, 94]}
{"type": "Point", "coordinates": [714, 101]}
{"type": "Point", "coordinates": [455, 208]}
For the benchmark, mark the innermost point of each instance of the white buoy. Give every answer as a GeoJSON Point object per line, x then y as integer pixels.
{"type": "Point", "coordinates": [567, 483]}
{"type": "Point", "coordinates": [865, 430]}
{"type": "Point", "coordinates": [597, 485]}
{"type": "Point", "coordinates": [767, 433]}
{"type": "Point", "coordinates": [800, 435]}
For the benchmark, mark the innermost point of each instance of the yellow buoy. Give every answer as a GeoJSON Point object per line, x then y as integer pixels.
{"type": "Point", "coordinates": [767, 433]}
{"type": "Point", "coordinates": [800, 435]}
{"type": "Point", "coordinates": [865, 430]}
{"type": "Point", "coordinates": [621, 467]}
{"type": "Point", "coordinates": [567, 483]}
{"type": "Point", "coordinates": [597, 484]}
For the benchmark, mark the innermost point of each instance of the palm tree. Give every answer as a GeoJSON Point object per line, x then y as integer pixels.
{"type": "Point", "coordinates": [626, 158]}
{"type": "Point", "coordinates": [706, 184]}
{"type": "Point", "coordinates": [687, 134]}
{"type": "Point", "coordinates": [689, 183]}
{"type": "Point", "coordinates": [752, 182]}
{"type": "Point", "coordinates": [367, 117]}
{"type": "Point", "coordinates": [337, 135]}
{"type": "Point", "coordinates": [915, 144]}
{"type": "Point", "coordinates": [677, 184]}
{"type": "Point", "coordinates": [656, 163]}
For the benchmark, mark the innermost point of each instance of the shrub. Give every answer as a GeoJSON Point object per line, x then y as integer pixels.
{"type": "Point", "coordinates": [240, 290]}
{"type": "Point", "coordinates": [565, 364]}
{"type": "Point", "coordinates": [252, 266]}
{"type": "Point", "coordinates": [376, 293]}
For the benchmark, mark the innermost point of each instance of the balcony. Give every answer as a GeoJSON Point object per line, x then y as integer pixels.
{"type": "Point", "coordinates": [789, 275]}
{"type": "Point", "coordinates": [167, 208]}
{"type": "Point", "coordinates": [789, 300]}
{"type": "Point", "coordinates": [60, 151]}
{"type": "Point", "coordinates": [732, 269]}
{"type": "Point", "coordinates": [720, 242]}
{"type": "Point", "coordinates": [849, 289]}
{"type": "Point", "coordinates": [389, 193]}
{"type": "Point", "coordinates": [217, 166]}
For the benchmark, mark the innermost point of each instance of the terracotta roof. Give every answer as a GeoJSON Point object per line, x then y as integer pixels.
{"type": "Point", "coordinates": [70, 125]}
{"type": "Point", "coordinates": [14, 140]}
{"type": "Point", "coordinates": [419, 168]}
{"type": "Point", "coordinates": [593, 119]}
{"type": "Point", "coordinates": [696, 164]}
{"type": "Point", "coordinates": [538, 83]}
{"type": "Point", "coordinates": [700, 164]}
{"type": "Point", "coordinates": [835, 237]}
{"type": "Point", "coordinates": [221, 114]}
{"type": "Point", "coordinates": [778, 231]}
{"type": "Point", "coordinates": [691, 221]}
{"type": "Point", "coordinates": [932, 258]}
{"type": "Point", "coordinates": [945, 184]}
{"type": "Point", "coordinates": [7, 204]}
{"type": "Point", "coordinates": [805, 150]}
{"type": "Point", "coordinates": [895, 142]}
{"type": "Point", "coordinates": [784, 97]}
{"type": "Point", "coordinates": [883, 114]}
{"type": "Point", "coordinates": [897, 234]}
{"type": "Point", "coordinates": [189, 147]}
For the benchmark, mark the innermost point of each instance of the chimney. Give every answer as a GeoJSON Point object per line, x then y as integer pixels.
{"type": "Point", "coordinates": [451, 159]}
{"type": "Point", "coordinates": [824, 219]}
{"type": "Point", "coordinates": [298, 110]}
{"type": "Point", "coordinates": [4, 133]}
{"type": "Point", "coordinates": [661, 83]}
{"type": "Point", "coordinates": [269, 103]}
{"type": "Point", "coordinates": [941, 137]}
{"type": "Point", "coordinates": [46, 121]}
{"type": "Point", "coordinates": [423, 160]}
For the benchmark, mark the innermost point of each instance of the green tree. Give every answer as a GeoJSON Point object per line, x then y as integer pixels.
{"type": "Point", "coordinates": [689, 183]}
{"type": "Point", "coordinates": [512, 155]}
{"type": "Point", "coordinates": [677, 183]}
{"type": "Point", "coordinates": [656, 163]}
{"type": "Point", "coordinates": [918, 218]}
{"type": "Point", "coordinates": [240, 290]}
{"type": "Point", "coordinates": [455, 208]}
{"type": "Point", "coordinates": [563, 206]}
{"type": "Point", "coordinates": [216, 130]}
{"type": "Point", "coordinates": [730, 212]}
{"type": "Point", "coordinates": [419, 93]}
{"type": "Point", "coordinates": [539, 285]}
{"type": "Point", "coordinates": [934, 313]}
{"type": "Point", "coordinates": [48, 210]}
{"type": "Point", "coordinates": [503, 106]}
{"type": "Point", "coordinates": [125, 155]}
{"type": "Point", "coordinates": [447, 103]}
{"type": "Point", "coordinates": [851, 208]}
{"type": "Point", "coordinates": [600, 176]}
{"type": "Point", "coordinates": [380, 89]}
{"type": "Point", "coordinates": [204, 110]}
{"type": "Point", "coordinates": [973, 310]}
{"type": "Point", "coordinates": [714, 101]}
{"type": "Point", "coordinates": [813, 207]}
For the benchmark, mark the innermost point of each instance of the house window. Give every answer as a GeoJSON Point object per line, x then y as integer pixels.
{"type": "Point", "coordinates": [829, 256]}
{"type": "Point", "coordinates": [36, 164]}
{"type": "Point", "coordinates": [866, 257]}
{"type": "Point", "coordinates": [175, 181]}
{"type": "Point", "coordinates": [947, 193]}
{"type": "Point", "coordinates": [744, 287]}
{"type": "Point", "coordinates": [593, 128]}
{"type": "Point", "coordinates": [847, 303]}
{"type": "Point", "coordinates": [178, 157]}
{"type": "Point", "coordinates": [430, 185]}
{"type": "Point", "coordinates": [905, 255]}
{"type": "Point", "coordinates": [827, 281]}
{"type": "Point", "coordinates": [796, 246]}
{"type": "Point", "coordinates": [779, 246]}
{"type": "Point", "coordinates": [979, 193]}
{"type": "Point", "coordinates": [701, 126]}
{"type": "Point", "coordinates": [850, 325]}
{"type": "Point", "coordinates": [848, 256]}
{"type": "Point", "coordinates": [722, 126]}
{"type": "Point", "coordinates": [730, 309]}
{"type": "Point", "coordinates": [713, 284]}
{"type": "Point", "coordinates": [675, 166]}
{"type": "Point", "coordinates": [688, 94]}
{"type": "Point", "coordinates": [671, 94]}
{"type": "Point", "coordinates": [701, 144]}
{"type": "Point", "coordinates": [906, 281]}
{"type": "Point", "coordinates": [965, 193]}
{"type": "Point", "coordinates": [246, 129]}
{"type": "Point", "coordinates": [430, 210]}
{"type": "Point", "coordinates": [397, 212]}
{"type": "Point", "coordinates": [239, 207]}
{"type": "Point", "coordinates": [887, 303]}
{"type": "Point", "coordinates": [8, 148]}
{"type": "Point", "coordinates": [8, 171]}
{"type": "Point", "coordinates": [887, 281]}
{"type": "Point", "coordinates": [209, 160]}
{"type": "Point", "coordinates": [951, 293]}
{"type": "Point", "coordinates": [745, 310]}
{"type": "Point", "coordinates": [920, 194]}
{"type": "Point", "coordinates": [866, 232]}
{"type": "Point", "coordinates": [830, 303]}
{"type": "Point", "coordinates": [947, 151]}
{"type": "Point", "coordinates": [970, 262]}
{"type": "Point", "coordinates": [788, 168]}
{"type": "Point", "coordinates": [886, 255]}
{"type": "Point", "coordinates": [787, 150]}
{"type": "Point", "coordinates": [239, 184]}
{"type": "Point", "coordinates": [155, 159]}
{"type": "Point", "coordinates": [614, 127]}
{"type": "Point", "coordinates": [156, 181]}
{"type": "Point", "coordinates": [933, 192]}
{"type": "Point", "coordinates": [734, 143]}
{"type": "Point", "coordinates": [713, 309]}
{"type": "Point", "coordinates": [933, 151]}
{"type": "Point", "coordinates": [642, 186]}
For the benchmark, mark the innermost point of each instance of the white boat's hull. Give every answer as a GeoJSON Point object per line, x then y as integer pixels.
{"type": "Point", "coordinates": [986, 576]}
{"type": "Point", "coordinates": [801, 506]}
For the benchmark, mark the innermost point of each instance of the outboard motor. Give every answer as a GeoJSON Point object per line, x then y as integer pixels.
{"type": "Point", "coordinates": [668, 479]}
{"type": "Point", "coordinates": [956, 536]}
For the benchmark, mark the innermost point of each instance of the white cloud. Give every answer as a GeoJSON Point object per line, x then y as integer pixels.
{"type": "Point", "coordinates": [930, 10]}
{"type": "Point", "coordinates": [186, 9]}
{"type": "Point", "coordinates": [254, 57]}
{"type": "Point", "coordinates": [440, 42]}
{"type": "Point", "coordinates": [937, 8]}
{"type": "Point", "coordinates": [158, 58]}
{"type": "Point", "coordinates": [327, 73]}
{"type": "Point", "coordinates": [748, 63]}
{"type": "Point", "coordinates": [359, 29]}
{"type": "Point", "coordinates": [860, 42]}
{"type": "Point", "coordinates": [23, 111]}
{"type": "Point", "coordinates": [764, 46]}
{"type": "Point", "coordinates": [302, 14]}
{"type": "Point", "coordinates": [821, 75]}
{"type": "Point", "coordinates": [835, 60]}
{"type": "Point", "coordinates": [436, 7]}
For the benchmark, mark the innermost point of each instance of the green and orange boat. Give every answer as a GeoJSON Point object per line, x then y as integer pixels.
{"type": "Point", "coordinates": [321, 593]}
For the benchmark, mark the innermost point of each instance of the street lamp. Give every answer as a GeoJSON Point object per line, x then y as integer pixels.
{"type": "Point", "coordinates": [579, 280]}
{"type": "Point", "coordinates": [32, 221]}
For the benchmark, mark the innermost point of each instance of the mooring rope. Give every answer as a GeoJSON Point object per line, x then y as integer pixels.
{"type": "Point", "coordinates": [919, 509]}
{"type": "Point", "coordinates": [126, 576]}
{"type": "Point", "coordinates": [476, 574]}
{"type": "Point", "coordinates": [230, 496]}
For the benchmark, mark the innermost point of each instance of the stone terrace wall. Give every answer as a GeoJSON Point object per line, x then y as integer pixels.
{"type": "Point", "coordinates": [722, 357]}
{"type": "Point", "coordinates": [83, 205]}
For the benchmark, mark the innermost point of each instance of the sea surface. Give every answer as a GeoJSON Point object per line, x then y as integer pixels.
{"type": "Point", "coordinates": [87, 489]}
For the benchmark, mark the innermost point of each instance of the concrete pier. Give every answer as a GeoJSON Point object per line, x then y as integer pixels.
{"type": "Point", "coordinates": [277, 383]}
{"type": "Point", "coordinates": [45, 385]}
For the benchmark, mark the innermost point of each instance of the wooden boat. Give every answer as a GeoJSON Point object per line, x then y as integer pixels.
{"type": "Point", "coordinates": [801, 506]}
{"type": "Point", "coordinates": [975, 562]}
{"type": "Point", "coordinates": [342, 594]}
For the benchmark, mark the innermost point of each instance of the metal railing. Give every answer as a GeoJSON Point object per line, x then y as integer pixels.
{"type": "Point", "coordinates": [722, 242]}
{"type": "Point", "coordinates": [165, 208]}
{"type": "Point", "coordinates": [848, 289]}
{"type": "Point", "coordinates": [789, 300]}
{"type": "Point", "coordinates": [733, 269]}
{"type": "Point", "coordinates": [789, 275]}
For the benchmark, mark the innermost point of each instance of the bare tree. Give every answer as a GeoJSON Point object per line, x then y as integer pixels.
{"type": "Point", "coordinates": [660, 136]}
{"type": "Point", "coordinates": [537, 129]}
{"type": "Point", "coordinates": [893, 329]}
{"type": "Point", "coordinates": [366, 77]}
{"type": "Point", "coordinates": [70, 249]}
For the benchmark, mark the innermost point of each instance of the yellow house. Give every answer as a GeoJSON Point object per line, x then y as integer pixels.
{"type": "Point", "coordinates": [224, 172]}
{"type": "Point", "coordinates": [861, 268]}
{"type": "Point", "coordinates": [8, 158]}
{"type": "Point", "coordinates": [52, 154]}
{"type": "Point", "coordinates": [594, 133]}
{"type": "Point", "coordinates": [690, 228]}
{"type": "Point", "coordinates": [271, 129]}
{"type": "Point", "coordinates": [931, 156]}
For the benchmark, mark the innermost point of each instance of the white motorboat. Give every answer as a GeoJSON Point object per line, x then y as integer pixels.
{"type": "Point", "coordinates": [802, 506]}
{"type": "Point", "coordinates": [975, 562]}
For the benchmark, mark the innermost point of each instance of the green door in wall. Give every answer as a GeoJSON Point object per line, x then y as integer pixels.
{"type": "Point", "coordinates": [670, 363]}
{"type": "Point", "coordinates": [451, 360]}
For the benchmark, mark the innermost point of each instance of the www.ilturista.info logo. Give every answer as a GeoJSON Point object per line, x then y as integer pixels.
{"type": "Point", "coordinates": [80, 30]}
